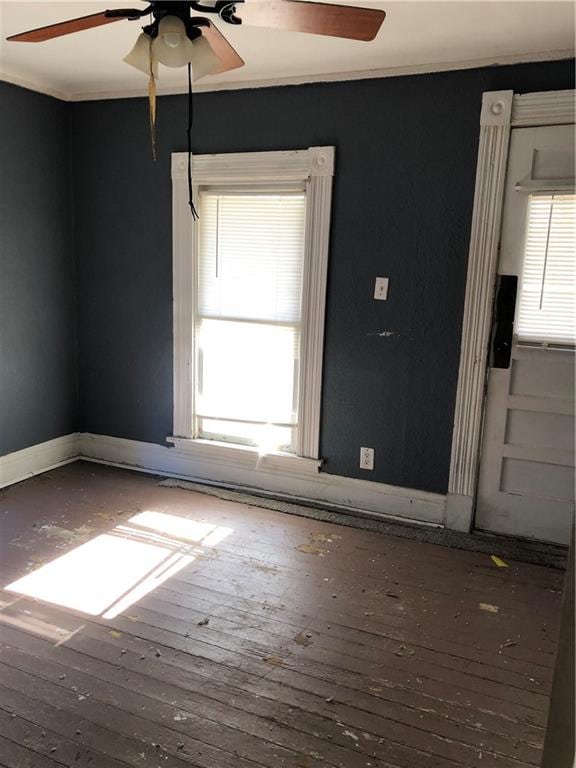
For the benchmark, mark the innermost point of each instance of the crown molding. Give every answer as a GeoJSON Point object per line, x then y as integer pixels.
{"type": "Point", "coordinates": [33, 85]}
{"type": "Point", "coordinates": [331, 77]}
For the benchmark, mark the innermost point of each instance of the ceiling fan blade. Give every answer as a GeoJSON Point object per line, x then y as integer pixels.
{"type": "Point", "coordinates": [228, 57]}
{"type": "Point", "coordinates": [73, 25]}
{"type": "Point", "coordinates": [316, 18]}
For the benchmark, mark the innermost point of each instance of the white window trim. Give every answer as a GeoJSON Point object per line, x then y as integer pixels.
{"type": "Point", "coordinates": [501, 111]}
{"type": "Point", "coordinates": [315, 166]}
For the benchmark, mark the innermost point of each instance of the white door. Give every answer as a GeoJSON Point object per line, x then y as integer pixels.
{"type": "Point", "coordinates": [526, 480]}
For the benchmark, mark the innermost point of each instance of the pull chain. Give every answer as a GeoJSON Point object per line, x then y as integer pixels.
{"type": "Point", "coordinates": [152, 104]}
{"type": "Point", "coordinates": [189, 133]}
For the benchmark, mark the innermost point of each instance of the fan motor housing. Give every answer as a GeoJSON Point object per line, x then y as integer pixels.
{"type": "Point", "coordinates": [161, 8]}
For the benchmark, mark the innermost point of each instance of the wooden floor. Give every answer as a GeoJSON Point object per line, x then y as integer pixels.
{"type": "Point", "coordinates": [202, 632]}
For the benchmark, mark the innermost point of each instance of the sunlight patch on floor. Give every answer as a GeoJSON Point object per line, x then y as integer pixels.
{"type": "Point", "coordinates": [114, 570]}
{"type": "Point", "coordinates": [181, 527]}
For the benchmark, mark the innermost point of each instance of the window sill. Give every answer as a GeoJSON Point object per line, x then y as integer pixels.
{"type": "Point", "coordinates": [245, 457]}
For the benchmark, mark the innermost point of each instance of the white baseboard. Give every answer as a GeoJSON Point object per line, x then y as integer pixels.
{"type": "Point", "coordinates": [39, 458]}
{"type": "Point", "coordinates": [348, 493]}
{"type": "Point", "coordinates": [376, 499]}
{"type": "Point", "coordinates": [460, 512]}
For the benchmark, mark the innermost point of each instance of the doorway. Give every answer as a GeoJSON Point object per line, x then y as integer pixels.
{"type": "Point", "coordinates": [526, 473]}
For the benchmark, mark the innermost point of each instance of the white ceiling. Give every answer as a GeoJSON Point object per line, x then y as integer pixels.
{"type": "Point", "coordinates": [416, 36]}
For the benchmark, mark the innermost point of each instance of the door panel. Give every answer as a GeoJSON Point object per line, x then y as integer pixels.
{"type": "Point", "coordinates": [526, 479]}
{"type": "Point", "coordinates": [544, 430]}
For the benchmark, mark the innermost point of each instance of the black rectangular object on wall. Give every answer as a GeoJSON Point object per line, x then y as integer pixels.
{"type": "Point", "coordinates": [503, 322]}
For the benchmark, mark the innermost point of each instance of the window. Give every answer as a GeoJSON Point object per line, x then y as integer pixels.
{"type": "Point", "coordinates": [249, 297]}
{"type": "Point", "coordinates": [248, 314]}
{"type": "Point", "coordinates": [547, 305]}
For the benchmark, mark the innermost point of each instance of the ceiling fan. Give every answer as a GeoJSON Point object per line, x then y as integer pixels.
{"type": "Point", "coordinates": [176, 38]}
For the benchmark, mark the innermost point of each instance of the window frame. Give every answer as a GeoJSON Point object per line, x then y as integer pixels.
{"type": "Point", "coordinates": [314, 167]}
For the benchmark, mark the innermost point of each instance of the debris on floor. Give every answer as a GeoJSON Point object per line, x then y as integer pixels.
{"type": "Point", "coordinates": [303, 638]}
{"type": "Point", "coordinates": [507, 644]}
{"type": "Point", "coordinates": [311, 549]}
{"type": "Point", "coordinates": [325, 537]}
{"type": "Point", "coordinates": [264, 567]}
{"type": "Point", "coordinates": [488, 607]}
{"type": "Point", "coordinates": [403, 650]}
{"type": "Point", "coordinates": [346, 732]}
{"type": "Point", "coordinates": [499, 562]}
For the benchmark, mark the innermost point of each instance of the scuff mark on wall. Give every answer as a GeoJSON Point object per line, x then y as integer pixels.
{"type": "Point", "coordinates": [385, 334]}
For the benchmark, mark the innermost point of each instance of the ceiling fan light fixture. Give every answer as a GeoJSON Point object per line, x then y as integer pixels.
{"type": "Point", "coordinates": [139, 56]}
{"type": "Point", "coordinates": [205, 61]}
{"type": "Point", "coordinates": [194, 42]}
{"type": "Point", "coordinates": [172, 47]}
{"type": "Point", "coordinates": [172, 39]}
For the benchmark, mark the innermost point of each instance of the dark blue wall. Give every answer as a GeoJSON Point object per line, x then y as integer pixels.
{"type": "Point", "coordinates": [405, 167]}
{"type": "Point", "coordinates": [38, 380]}
{"type": "Point", "coordinates": [406, 155]}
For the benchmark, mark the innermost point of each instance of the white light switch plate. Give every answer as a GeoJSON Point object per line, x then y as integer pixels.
{"type": "Point", "coordinates": [381, 288]}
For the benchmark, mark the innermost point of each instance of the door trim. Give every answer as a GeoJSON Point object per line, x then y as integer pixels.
{"type": "Point", "coordinates": [501, 111]}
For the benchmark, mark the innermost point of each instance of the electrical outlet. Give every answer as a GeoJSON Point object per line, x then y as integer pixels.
{"type": "Point", "coordinates": [381, 288]}
{"type": "Point", "coordinates": [366, 458]}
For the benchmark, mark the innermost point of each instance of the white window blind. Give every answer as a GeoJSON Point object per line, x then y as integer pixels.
{"type": "Point", "coordinates": [547, 302]}
{"type": "Point", "coordinates": [248, 310]}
